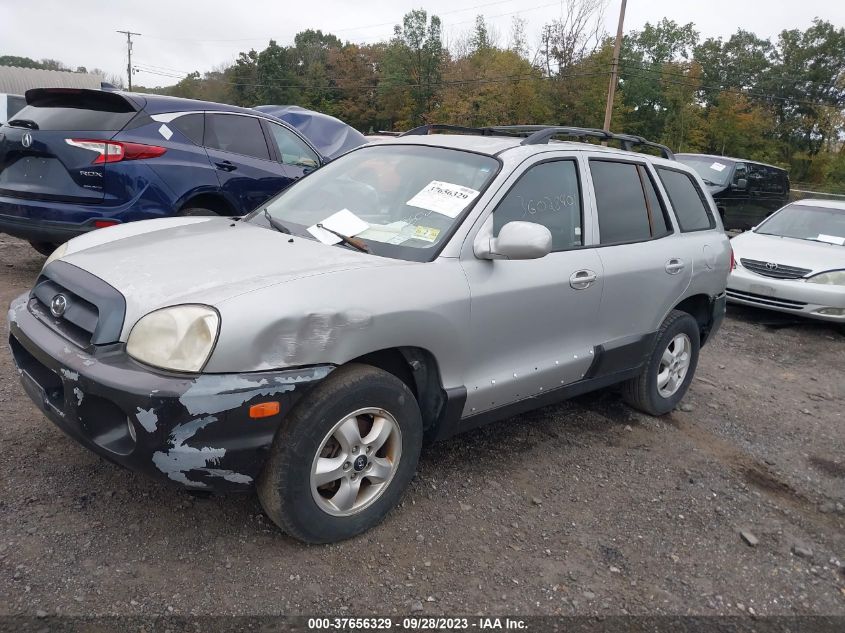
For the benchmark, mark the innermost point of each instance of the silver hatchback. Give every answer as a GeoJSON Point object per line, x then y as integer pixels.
{"type": "Point", "coordinates": [408, 291]}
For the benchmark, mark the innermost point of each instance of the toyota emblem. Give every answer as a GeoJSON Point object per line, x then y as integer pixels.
{"type": "Point", "coordinates": [26, 139]}
{"type": "Point", "coordinates": [771, 266]}
{"type": "Point", "coordinates": [58, 305]}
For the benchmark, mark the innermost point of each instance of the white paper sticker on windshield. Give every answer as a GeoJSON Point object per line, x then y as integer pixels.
{"type": "Point", "coordinates": [444, 198]}
{"type": "Point", "coordinates": [718, 166]}
{"type": "Point", "coordinates": [165, 131]}
{"type": "Point", "coordinates": [831, 239]}
{"type": "Point", "coordinates": [344, 221]}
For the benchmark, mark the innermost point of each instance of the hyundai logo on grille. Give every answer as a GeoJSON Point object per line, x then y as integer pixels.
{"type": "Point", "coordinates": [771, 266]}
{"type": "Point", "coordinates": [58, 305]}
{"type": "Point", "coordinates": [26, 139]}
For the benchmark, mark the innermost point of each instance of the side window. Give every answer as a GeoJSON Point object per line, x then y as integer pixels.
{"type": "Point", "coordinates": [236, 134]}
{"type": "Point", "coordinates": [756, 177]}
{"type": "Point", "coordinates": [687, 200]}
{"type": "Point", "coordinates": [548, 194]}
{"type": "Point", "coordinates": [740, 173]}
{"type": "Point", "coordinates": [292, 150]}
{"type": "Point", "coordinates": [628, 206]}
{"type": "Point", "coordinates": [191, 125]}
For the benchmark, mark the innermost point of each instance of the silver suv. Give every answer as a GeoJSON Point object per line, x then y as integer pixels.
{"type": "Point", "coordinates": [408, 291]}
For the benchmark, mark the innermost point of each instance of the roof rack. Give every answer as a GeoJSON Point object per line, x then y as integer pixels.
{"type": "Point", "coordinates": [540, 134]}
{"type": "Point", "coordinates": [501, 130]}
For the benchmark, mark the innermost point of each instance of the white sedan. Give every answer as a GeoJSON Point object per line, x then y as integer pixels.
{"type": "Point", "coordinates": [794, 262]}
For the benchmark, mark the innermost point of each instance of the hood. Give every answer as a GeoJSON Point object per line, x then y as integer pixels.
{"type": "Point", "coordinates": [158, 263]}
{"type": "Point", "coordinates": [332, 137]}
{"type": "Point", "coordinates": [789, 251]}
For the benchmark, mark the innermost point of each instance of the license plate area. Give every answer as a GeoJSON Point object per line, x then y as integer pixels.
{"type": "Point", "coordinates": [761, 289]}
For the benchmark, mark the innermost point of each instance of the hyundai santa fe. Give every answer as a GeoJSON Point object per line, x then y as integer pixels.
{"type": "Point", "coordinates": [408, 291]}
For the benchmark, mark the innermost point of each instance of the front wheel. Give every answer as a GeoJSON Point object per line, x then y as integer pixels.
{"type": "Point", "coordinates": [670, 368]}
{"type": "Point", "coordinates": [343, 456]}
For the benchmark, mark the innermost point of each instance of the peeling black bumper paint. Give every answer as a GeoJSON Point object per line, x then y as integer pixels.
{"type": "Point", "coordinates": [191, 430]}
{"type": "Point", "coordinates": [718, 308]}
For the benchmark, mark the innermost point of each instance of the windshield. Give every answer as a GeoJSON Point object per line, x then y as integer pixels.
{"type": "Point", "coordinates": [402, 201]}
{"type": "Point", "coordinates": [803, 222]}
{"type": "Point", "coordinates": [712, 169]}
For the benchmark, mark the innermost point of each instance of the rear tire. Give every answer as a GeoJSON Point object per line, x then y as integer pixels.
{"type": "Point", "coordinates": [670, 369]}
{"type": "Point", "coordinates": [343, 456]}
{"type": "Point", "coordinates": [45, 248]}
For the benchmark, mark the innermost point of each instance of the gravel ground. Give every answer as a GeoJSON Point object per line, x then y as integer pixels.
{"type": "Point", "coordinates": [578, 509]}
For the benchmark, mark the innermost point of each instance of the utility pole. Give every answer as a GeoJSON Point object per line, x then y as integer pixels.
{"type": "Point", "coordinates": [614, 69]}
{"type": "Point", "coordinates": [129, 35]}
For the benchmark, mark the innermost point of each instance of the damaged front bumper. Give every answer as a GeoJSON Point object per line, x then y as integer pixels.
{"type": "Point", "coordinates": [193, 430]}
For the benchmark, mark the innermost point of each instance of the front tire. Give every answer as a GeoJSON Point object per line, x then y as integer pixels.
{"type": "Point", "coordinates": [670, 369]}
{"type": "Point", "coordinates": [343, 456]}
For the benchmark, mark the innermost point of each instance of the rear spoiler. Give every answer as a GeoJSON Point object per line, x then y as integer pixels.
{"type": "Point", "coordinates": [83, 98]}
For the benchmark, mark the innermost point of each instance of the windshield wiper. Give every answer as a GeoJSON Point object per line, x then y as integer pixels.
{"type": "Point", "coordinates": [281, 228]}
{"type": "Point", "coordinates": [813, 239]}
{"type": "Point", "coordinates": [353, 242]}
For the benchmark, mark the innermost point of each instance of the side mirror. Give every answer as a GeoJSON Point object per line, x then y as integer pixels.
{"type": "Point", "coordinates": [742, 183]}
{"type": "Point", "coordinates": [516, 240]}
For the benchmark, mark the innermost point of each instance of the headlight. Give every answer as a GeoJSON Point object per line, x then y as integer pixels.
{"type": "Point", "coordinates": [56, 254]}
{"type": "Point", "coordinates": [830, 278]}
{"type": "Point", "coordinates": [179, 338]}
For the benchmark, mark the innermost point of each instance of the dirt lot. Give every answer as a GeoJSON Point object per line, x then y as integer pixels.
{"type": "Point", "coordinates": [581, 508]}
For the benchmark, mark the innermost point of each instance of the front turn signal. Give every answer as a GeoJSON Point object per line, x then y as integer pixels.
{"type": "Point", "coordinates": [264, 410]}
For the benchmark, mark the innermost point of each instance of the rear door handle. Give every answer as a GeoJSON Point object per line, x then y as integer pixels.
{"type": "Point", "coordinates": [582, 279]}
{"type": "Point", "coordinates": [226, 165]}
{"type": "Point", "coordinates": [674, 266]}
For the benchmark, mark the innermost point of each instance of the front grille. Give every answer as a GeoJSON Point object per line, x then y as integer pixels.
{"type": "Point", "coordinates": [773, 269]}
{"type": "Point", "coordinates": [93, 310]}
{"type": "Point", "coordinates": [763, 300]}
{"type": "Point", "coordinates": [79, 319]}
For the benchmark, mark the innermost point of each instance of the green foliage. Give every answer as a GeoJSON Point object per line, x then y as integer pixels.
{"type": "Point", "coordinates": [779, 101]}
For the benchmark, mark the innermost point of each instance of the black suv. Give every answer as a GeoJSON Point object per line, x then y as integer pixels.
{"type": "Point", "coordinates": [746, 192]}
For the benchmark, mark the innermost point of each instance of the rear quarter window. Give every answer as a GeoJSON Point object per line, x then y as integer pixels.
{"type": "Point", "coordinates": [687, 200]}
{"type": "Point", "coordinates": [191, 125]}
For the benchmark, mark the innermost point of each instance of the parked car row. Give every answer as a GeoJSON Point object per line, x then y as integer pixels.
{"type": "Point", "coordinates": [309, 348]}
{"type": "Point", "coordinates": [746, 192]}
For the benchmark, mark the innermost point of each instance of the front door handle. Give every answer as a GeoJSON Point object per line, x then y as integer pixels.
{"type": "Point", "coordinates": [674, 266]}
{"type": "Point", "coordinates": [582, 279]}
{"type": "Point", "coordinates": [226, 165]}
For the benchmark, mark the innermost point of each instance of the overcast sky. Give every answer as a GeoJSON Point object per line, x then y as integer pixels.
{"type": "Point", "coordinates": [179, 36]}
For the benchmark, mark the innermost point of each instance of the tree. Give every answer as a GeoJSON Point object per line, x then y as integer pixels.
{"type": "Point", "coordinates": [309, 58]}
{"type": "Point", "coordinates": [644, 54]}
{"type": "Point", "coordinates": [575, 35]}
{"type": "Point", "coordinates": [413, 67]}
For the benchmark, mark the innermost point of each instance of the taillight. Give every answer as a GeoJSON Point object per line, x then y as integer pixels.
{"type": "Point", "coordinates": [733, 259]}
{"type": "Point", "coordinates": [116, 151]}
{"type": "Point", "coordinates": [102, 224]}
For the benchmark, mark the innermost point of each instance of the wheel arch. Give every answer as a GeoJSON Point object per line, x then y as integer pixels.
{"type": "Point", "coordinates": [699, 307]}
{"type": "Point", "coordinates": [214, 201]}
{"type": "Point", "coordinates": [420, 371]}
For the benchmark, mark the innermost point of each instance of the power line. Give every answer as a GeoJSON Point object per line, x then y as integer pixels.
{"type": "Point", "coordinates": [386, 84]}
{"type": "Point", "coordinates": [129, 35]}
{"type": "Point", "coordinates": [759, 95]}
{"type": "Point", "coordinates": [354, 28]}
{"type": "Point", "coordinates": [780, 78]}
